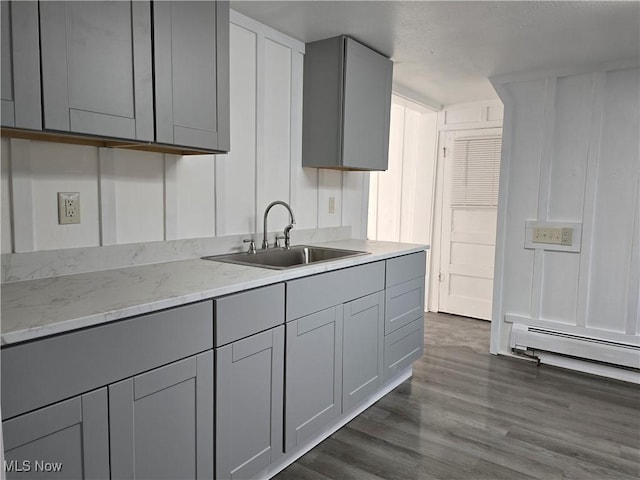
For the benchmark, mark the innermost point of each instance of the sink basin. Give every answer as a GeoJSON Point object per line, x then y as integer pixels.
{"type": "Point", "coordinates": [281, 258]}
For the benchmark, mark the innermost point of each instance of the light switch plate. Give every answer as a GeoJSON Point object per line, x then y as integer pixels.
{"type": "Point", "coordinates": [68, 208]}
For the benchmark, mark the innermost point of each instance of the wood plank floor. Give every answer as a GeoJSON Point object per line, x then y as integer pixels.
{"type": "Point", "coordinates": [467, 414]}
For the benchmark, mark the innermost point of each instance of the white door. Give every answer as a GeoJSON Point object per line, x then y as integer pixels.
{"type": "Point", "coordinates": [469, 214]}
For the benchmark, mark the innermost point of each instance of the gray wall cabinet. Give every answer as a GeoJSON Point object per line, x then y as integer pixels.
{"type": "Point", "coordinates": [67, 440]}
{"type": "Point", "coordinates": [249, 404]}
{"type": "Point", "coordinates": [161, 422]}
{"type": "Point", "coordinates": [20, 70]}
{"type": "Point", "coordinates": [362, 349]}
{"type": "Point", "coordinates": [127, 73]}
{"type": "Point", "coordinates": [97, 68]}
{"type": "Point", "coordinates": [347, 106]}
{"type": "Point", "coordinates": [313, 381]}
{"type": "Point", "coordinates": [191, 53]}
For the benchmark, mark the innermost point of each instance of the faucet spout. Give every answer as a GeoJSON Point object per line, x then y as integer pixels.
{"type": "Point", "coordinates": [287, 229]}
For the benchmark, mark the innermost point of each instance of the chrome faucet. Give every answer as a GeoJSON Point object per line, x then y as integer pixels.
{"type": "Point", "coordinates": [287, 229]}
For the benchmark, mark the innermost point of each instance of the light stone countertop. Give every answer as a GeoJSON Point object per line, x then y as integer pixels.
{"type": "Point", "coordinates": [38, 308]}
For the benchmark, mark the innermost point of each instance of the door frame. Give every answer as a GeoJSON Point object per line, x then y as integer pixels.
{"type": "Point", "coordinates": [436, 236]}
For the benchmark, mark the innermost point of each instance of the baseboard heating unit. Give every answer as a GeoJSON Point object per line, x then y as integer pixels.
{"type": "Point", "coordinates": [543, 343]}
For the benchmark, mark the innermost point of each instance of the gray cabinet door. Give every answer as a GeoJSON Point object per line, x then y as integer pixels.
{"type": "Point", "coordinates": [191, 53]}
{"type": "Point", "coordinates": [161, 422]}
{"type": "Point", "coordinates": [249, 404]}
{"type": "Point", "coordinates": [21, 107]}
{"type": "Point", "coordinates": [362, 349]}
{"type": "Point", "coordinates": [67, 440]}
{"type": "Point", "coordinates": [367, 108]}
{"type": "Point", "coordinates": [313, 378]}
{"type": "Point", "coordinates": [347, 105]}
{"type": "Point", "coordinates": [96, 68]}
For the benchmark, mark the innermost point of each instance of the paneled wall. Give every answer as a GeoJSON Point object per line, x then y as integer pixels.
{"type": "Point", "coordinates": [130, 197]}
{"type": "Point", "coordinates": [401, 199]}
{"type": "Point", "coordinates": [570, 154]}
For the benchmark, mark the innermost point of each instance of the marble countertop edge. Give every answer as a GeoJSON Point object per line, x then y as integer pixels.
{"type": "Point", "coordinates": [29, 308]}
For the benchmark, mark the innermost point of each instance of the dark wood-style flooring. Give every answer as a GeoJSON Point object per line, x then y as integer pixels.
{"type": "Point", "coordinates": [467, 414]}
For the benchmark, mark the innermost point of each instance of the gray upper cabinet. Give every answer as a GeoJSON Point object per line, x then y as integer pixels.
{"type": "Point", "coordinates": [161, 422]}
{"type": "Point", "coordinates": [347, 106]}
{"type": "Point", "coordinates": [97, 68]}
{"type": "Point", "coordinates": [67, 440]}
{"type": "Point", "coordinates": [20, 71]}
{"type": "Point", "coordinates": [191, 53]}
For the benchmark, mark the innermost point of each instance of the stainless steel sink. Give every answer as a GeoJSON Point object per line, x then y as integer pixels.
{"type": "Point", "coordinates": [281, 258]}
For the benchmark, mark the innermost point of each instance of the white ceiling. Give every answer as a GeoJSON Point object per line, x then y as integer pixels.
{"type": "Point", "coordinates": [445, 51]}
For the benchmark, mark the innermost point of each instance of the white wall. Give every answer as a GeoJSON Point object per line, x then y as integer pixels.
{"type": "Point", "coordinates": [401, 198]}
{"type": "Point", "coordinates": [128, 196]}
{"type": "Point", "coordinates": [570, 154]}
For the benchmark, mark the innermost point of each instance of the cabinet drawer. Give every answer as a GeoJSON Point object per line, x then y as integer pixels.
{"type": "Point", "coordinates": [45, 371]}
{"type": "Point", "coordinates": [404, 303]}
{"type": "Point", "coordinates": [405, 268]}
{"type": "Point", "coordinates": [403, 347]}
{"type": "Point", "coordinates": [246, 313]}
{"type": "Point", "coordinates": [312, 294]}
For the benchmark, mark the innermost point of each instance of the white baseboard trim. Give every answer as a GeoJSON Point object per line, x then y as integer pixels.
{"type": "Point", "coordinates": [289, 458]}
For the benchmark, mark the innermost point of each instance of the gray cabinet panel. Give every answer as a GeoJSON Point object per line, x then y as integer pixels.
{"type": "Point", "coordinates": [249, 404]}
{"type": "Point", "coordinates": [313, 375]}
{"type": "Point", "coordinates": [67, 440]}
{"type": "Point", "coordinates": [322, 92]}
{"type": "Point", "coordinates": [406, 267]}
{"type": "Point", "coordinates": [21, 97]}
{"type": "Point", "coordinates": [39, 373]}
{"type": "Point", "coordinates": [347, 105]}
{"type": "Point", "coordinates": [362, 349]}
{"type": "Point", "coordinates": [403, 347]}
{"type": "Point", "coordinates": [246, 313]}
{"type": "Point", "coordinates": [315, 293]}
{"type": "Point", "coordinates": [96, 68]}
{"type": "Point", "coordinates": [404, 304]}
{"type": "Point", "coordinates": [191, 51]}
{"type": "Point", "coordinates": [161, 423]}
{"type": "Point", "coordinates": [367, 107]}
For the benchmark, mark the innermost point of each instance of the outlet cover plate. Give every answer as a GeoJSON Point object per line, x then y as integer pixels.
{"type": "Point", "coordinates": [556, 236]}
{"type": "Point", "coordinates": [68, 208]}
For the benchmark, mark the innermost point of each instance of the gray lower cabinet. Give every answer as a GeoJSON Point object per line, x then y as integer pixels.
{"type": "Point", "coordinates": [97, 68]}
{"type": "Point", "coordinates": [20, 43]}
{"type": "Point", "coordinates": [404, 312]}
{"type": "Point", "coordinates": [313, 378]}
{"type": "Point", "coordinates": [249, 404]}
{"type": "Point", "coordinates": [67, 440]}
{"type": "Point", "coordinates": [402, 347]}
{"type": "Point", "coordinates": [161, 422]}
{"type": "Point", "coordinates": [191, 61]}
{"type": "Point", "coordinates": [362, 346]}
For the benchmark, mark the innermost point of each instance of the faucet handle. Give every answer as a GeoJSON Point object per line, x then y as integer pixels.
{"type": "Point", "coordinates": [276, 244]}
{"type": "Point", "coordinates": [252, 245]}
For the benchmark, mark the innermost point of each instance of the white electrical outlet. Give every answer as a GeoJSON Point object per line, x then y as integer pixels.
{"type": "Point", "coordinates": [68, 208]}
{"type": "Point", "coordinates": [332, 204]}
